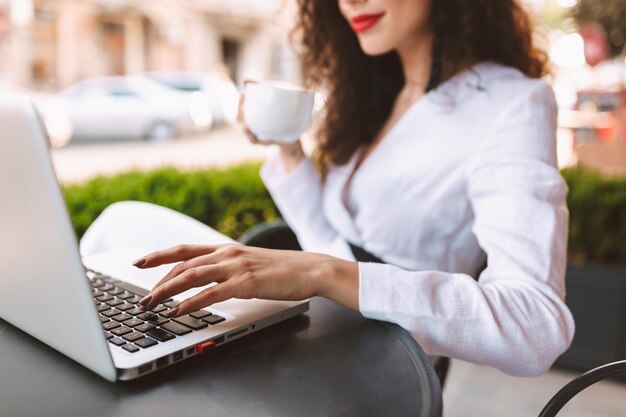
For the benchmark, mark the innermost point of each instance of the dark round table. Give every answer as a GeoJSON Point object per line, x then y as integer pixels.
{"type": "Point", "coordinates": [329, 362]}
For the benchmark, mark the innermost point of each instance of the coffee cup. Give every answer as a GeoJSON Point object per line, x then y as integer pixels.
{"type": "Point", "coordinates": [277, 111]}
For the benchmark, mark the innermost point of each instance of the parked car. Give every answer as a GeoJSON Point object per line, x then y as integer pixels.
{"type": "Point", "coordinates": [217, 89]}
{"type": "Point", "coordinates": [123, 107]}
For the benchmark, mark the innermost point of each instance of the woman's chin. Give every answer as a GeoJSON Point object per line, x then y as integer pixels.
{"type": "Point", "coordinates": [374, 48]}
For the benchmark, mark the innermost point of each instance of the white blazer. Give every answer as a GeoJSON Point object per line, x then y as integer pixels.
{"type": "Point", "coordinates": [468, 172]}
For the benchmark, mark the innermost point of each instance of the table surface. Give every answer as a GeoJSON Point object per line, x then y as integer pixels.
{"type": "Point", "coordinates": [328, 362]}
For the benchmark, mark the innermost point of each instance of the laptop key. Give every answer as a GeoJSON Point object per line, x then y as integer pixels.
{"type": "Point", "coordinates": [177, 329]}
{"type": "Point", "coordinates": [122, 317]}
{"type": "Point", "coordinates": [125, 295]}
{"type": "Point", "coordinates": [110, 312]}
{"type": "Point", "coordinates": [199, 314]}
{"type": "Point", "coordinates": [159, 308]}
{"type": "Point", "coordinates": [146, 327]}
{"type": "Point", "coordinates": [121, 331]}
{"type": "Point", "coordinates": [136, 311]}
{"type": "Point", "coordinates": [134, 299]}
{"type": "Point", "coordinates": [146, 342]}
{"type": "Point", "coordinates": [106, 287]}
{"type": "Point", "coordinates": [114, 302]}
{"type": "Point", "coordinates": [213, 319]}
{"type": "Point", "coordinates": [124, 306]}
{"type": "Point", "coordinates": [130, 348]}
{"type": "Point", "coordinates": [117, 341]}
{"type": "Point", "coordinates": [132, 288]}
{"type": "Point", "coordinates": [160, 335]}
{"type": "Point", "coordinates": [133, 322]}
{"type": "Point", "coordinates": [195, 324]}
{"type": "Point", "coordinates": [110, 325]}
{"type": "Point", "coordinates": [115, 291]}
{"type": "Point", "coordinates": [104, 298]}
{"type": "Point", "coordinates": [153, 318]}
{"type": "Point", "coordinates": [103, 307]}
{"type": "Point", "coordinates": [146, 315]}
{"type": "Point", "coordinates": [108, 335]}
{"type": "Point", "coordinates": [171, 304]}
{"type": "Point", "coordinates": [103, 319]}
{"type": "Point", "coordinates": [131, 337]}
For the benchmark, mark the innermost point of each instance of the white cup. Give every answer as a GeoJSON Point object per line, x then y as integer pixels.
{"type": "Point", "coordinates": [277, 111]}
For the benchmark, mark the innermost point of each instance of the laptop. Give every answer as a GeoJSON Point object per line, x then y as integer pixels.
{"type": "Point", "coordinates": [87, 308]}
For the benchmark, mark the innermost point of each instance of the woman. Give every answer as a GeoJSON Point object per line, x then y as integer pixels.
{"type": "Point", "coordinates": [437, 153]}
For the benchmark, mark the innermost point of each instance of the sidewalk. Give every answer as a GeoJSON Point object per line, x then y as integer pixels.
{"type": "Point", "coordinates": [473, 390]}
{"type": "Point", "coordinates": [222, 147]}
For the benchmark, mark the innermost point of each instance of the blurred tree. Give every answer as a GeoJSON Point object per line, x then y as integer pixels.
{"type": "Point", "coordinates": [610, 14]}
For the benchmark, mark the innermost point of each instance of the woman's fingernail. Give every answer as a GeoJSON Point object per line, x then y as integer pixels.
{"type": "Point", "coordinates": [145, 300]}
{"type": "Point", "coordinates": [172, 313]}
{"type": "Point", "coordinates": [139, 262]}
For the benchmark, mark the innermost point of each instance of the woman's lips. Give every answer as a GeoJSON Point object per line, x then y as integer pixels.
{"type": "Point", "coordinates": [363, 22]}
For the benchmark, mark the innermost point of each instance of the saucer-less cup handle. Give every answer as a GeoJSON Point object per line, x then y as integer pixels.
{"type": "Point", "coordinates": [278, 113]}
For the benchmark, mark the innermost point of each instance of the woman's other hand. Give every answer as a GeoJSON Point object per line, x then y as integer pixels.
{"type": "Point", "coordinates": [291, 153]}
{"type": "Point", "coordinates": [246, 272]}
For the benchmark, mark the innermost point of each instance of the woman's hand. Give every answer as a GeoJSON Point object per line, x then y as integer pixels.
{"type": "Point", "coordinates": [291, 153]}
{"type": "Point", "coordinates": [247, 272]}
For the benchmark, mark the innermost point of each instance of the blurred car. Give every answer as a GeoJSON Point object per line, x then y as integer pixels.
{"type": "Point", "coordinates": [122, 107]}
{"type": "Point", "coordinates": [218, 90]}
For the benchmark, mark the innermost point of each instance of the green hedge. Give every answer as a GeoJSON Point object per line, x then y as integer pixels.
{"type": "Point", "coordinates": [597, 204]}
{"type": "Point", "coordinates": [233, 200]}
{"type": "Point", "coordinates": [229, 200]}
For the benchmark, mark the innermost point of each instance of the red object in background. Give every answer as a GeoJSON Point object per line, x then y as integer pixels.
{"type": "Point", "coordinates": [596, 44]}
{"type": "Point", "coordinates": [607, 133]}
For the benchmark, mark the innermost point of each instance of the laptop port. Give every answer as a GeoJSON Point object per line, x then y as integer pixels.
{"type": "Point", "coordinates": [162, 362]}
{"type": "Point", "coordinates": [191, 350]}
{"type": "Point", "coordinates": [145, 368]}
{"type": "Point", "coordinates": [237, 333]}
{"type": "Point", "coordinates": [177, 356]}
{"type": "Point", "coordinates": [218, 340]}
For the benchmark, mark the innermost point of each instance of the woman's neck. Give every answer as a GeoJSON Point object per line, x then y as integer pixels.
{"type": "Point", "coordinates": [416, 57]}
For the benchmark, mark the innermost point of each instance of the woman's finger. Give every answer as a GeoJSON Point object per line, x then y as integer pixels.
{"type": "Point", "coordinates": [181, 267]}
{"type": "Point", "coordinates": [209, 296]}
{"type": "Point", "coordinates": [175, 254]}
{"type": "Point", "coordinates": [252, 137]}
{"type": "Point", "coordinates": [242, 99]}
{"type": "Point", "coordinates": [240, 107]}
{"type": "Point", "coordinates": [194, 277]}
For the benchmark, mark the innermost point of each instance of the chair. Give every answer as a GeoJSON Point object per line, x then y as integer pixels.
{"type": "Point", "coordinates": [271, 235]}
{"type": "Point", "coordinates": [278, 235]}
{"type": "Point", "coordinates": [579, 383]}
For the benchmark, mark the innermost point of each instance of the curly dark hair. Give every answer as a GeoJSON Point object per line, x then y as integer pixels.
{"type": "Point", "coordinates": [361, 89]}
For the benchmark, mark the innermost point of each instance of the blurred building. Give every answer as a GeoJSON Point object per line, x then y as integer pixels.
{"type": "Point", "coordinates": [54, 43]}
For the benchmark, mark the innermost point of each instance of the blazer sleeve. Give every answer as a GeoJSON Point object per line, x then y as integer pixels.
{"type": "Point", "coordinates": [513, 317]}
{"type": "Point", "coordinates": [299, 197]}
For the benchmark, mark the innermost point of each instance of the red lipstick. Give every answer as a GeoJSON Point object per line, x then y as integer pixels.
{"type": "Point", "coordinates": [363, 22]}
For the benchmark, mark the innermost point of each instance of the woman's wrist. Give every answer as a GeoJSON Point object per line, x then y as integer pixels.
{"type": "Point", "coordinates": [291, 155]}
{"type": "Point", "coordinates": [338, 280]}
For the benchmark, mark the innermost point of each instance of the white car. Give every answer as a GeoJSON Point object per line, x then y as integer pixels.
{"type": "Point", "coordinates": [218, 90]}
{"type": "Point", "coordinates": [123, 107]}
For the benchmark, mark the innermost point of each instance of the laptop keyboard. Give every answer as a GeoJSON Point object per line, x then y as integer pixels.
{"type": "Point", "coordinates": [129, 326]}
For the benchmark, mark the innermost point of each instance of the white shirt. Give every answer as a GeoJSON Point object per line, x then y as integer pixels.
{"type": "Point", "coordinates": [469, 171]}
